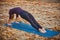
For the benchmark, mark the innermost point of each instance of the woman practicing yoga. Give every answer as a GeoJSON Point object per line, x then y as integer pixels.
{"type": "Point", "coordinates": [25, 15]}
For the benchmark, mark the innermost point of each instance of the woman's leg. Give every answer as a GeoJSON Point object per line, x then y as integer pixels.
{"type": "Point", "coordinates": [32, 21]}
{"type": "Point", "coordinates": [36, 23]}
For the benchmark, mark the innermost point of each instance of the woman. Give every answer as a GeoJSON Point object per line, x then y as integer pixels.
{"type": "Point", "coordinates": [25, 15]}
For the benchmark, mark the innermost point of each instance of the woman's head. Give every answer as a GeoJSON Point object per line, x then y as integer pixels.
{"type": "Point", "coordinates": [11, 16]}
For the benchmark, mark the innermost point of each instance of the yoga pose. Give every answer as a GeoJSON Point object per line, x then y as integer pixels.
{"type": "Point", "coordinates": [25, 15]}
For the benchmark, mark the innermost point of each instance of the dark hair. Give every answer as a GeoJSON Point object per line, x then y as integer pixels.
{"type": "Point", "coordinates": [11, 16]}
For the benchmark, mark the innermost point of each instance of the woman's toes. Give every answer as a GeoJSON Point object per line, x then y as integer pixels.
{"type": "Point", "coordinates": [42, 30]}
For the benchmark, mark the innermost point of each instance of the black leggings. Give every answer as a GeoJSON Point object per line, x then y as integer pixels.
{"type": "Point", "coordinates": [27, 16]}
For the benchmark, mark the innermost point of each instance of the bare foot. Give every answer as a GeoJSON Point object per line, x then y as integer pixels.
{"type": "Point", "coordinates": [42, 30]}
{"type": "Point", "coordinates": [17, 22]}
